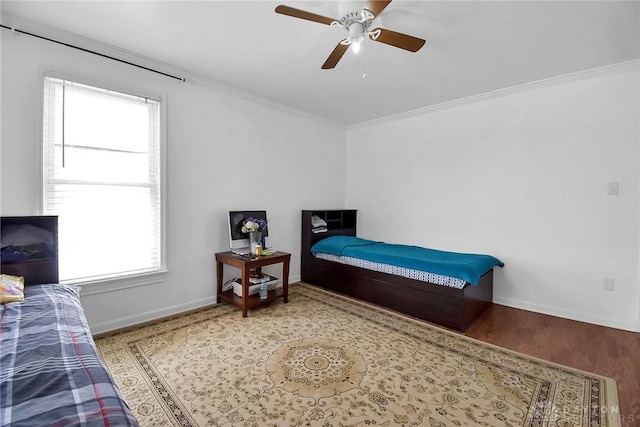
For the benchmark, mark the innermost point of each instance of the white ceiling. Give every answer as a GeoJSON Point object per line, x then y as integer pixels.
{"type": "Point", "coordinates": [472, 46]}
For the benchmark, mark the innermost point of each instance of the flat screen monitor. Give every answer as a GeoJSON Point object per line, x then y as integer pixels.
{"type": "Point", "coordinates": [238, 239]}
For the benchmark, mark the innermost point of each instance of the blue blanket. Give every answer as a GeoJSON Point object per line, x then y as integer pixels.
{"type": "Point", "coordinates": [468, 267]}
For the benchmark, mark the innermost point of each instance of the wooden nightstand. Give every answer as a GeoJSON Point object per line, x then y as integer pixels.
{"type": "Point", "coordinates": [246, 264]}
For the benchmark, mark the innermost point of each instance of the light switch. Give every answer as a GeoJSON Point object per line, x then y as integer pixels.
{"type": "Point", "coordinates": [609, 284]}
{"type": "Point", "coordinates": [613, 188]}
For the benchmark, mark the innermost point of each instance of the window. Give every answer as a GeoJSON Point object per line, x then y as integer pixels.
{"type": "Point", "coordinates": [101, 162]}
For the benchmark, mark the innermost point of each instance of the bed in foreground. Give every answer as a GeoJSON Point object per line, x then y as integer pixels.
{"type": "Point", "coordinates": [444, 300]}
{"type": "Point", "coordinates": [50, 371]}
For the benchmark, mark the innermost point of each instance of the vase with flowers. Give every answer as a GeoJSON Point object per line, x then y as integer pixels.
{"type": "Point", "coordinates": [255, 228]}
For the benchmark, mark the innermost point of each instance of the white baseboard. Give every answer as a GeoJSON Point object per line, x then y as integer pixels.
{"type": "Point", "coordinates": [558, 312]}
{"type": "Point", "coordinates": [138, 318]}
{"type": "Point", "coordinates": [294, 279]}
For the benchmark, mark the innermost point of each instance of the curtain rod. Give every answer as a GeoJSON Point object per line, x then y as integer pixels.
{"type": "Point", "coordinates": [91, 51]}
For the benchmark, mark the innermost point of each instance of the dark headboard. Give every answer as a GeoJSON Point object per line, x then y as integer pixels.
{"type": "Point", "coordinates": [40, 261]}
{"type": "Point", "coordinates": [339, 222]}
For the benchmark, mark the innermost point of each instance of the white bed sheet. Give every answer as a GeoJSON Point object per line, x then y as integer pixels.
{"type": "Point", "coordinates": [423, 276]}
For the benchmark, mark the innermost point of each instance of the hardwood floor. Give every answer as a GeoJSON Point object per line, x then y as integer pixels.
{"type": "Point", "coordinates": [606, 351]}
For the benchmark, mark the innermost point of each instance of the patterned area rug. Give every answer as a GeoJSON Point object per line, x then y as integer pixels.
{"type": "Point", "coordinates": [324, 360]}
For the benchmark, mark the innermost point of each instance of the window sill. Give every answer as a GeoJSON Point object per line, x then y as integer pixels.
{"type": "Point", "coordinates": [100, 286]}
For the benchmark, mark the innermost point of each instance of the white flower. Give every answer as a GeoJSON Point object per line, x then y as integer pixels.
{"type": "Point", "coordinates": [249, 226]}
{"type": "Point", "coordinates": [252, 224]}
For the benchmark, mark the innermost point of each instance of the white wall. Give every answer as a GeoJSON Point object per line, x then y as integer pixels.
{"type": "Point", "coordinates": [522, 175]}
{"type": "Point", "coordinates": [211, 132]}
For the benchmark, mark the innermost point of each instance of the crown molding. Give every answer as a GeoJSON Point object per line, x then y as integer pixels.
{"type": "Point", "coordinates": [126, 55]}
{"type": "Point", "coordinates": [257, 99]}
{"type": "Point", "coordinates": [86, 43]}
{"type": "Point", "coordinates": [191, 78]}
{"type": "Point", "coordinates": [538, 84]}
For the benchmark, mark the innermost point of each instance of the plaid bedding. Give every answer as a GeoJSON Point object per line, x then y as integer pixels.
{"type": "Point", "coordinates": [50, 371]}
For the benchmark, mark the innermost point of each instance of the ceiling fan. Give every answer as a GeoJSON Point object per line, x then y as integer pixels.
{"type": "Point", "coordinates": [357, 24]}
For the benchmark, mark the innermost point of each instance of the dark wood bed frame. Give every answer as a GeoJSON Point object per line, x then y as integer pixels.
{"type": "Point", "coordinates": [443, 305]}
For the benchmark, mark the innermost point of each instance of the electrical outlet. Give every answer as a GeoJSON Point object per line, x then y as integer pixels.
{"type": "Point", "coordinates": [609, 284]}
{"type": "Point", "coordinates": [613, 189]}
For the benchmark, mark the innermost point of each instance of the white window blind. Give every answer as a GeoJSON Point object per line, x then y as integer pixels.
{"type": "Point", "coordinates": [102, 178]}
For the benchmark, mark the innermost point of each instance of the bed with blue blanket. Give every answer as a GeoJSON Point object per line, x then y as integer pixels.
{"type": "Point", "coordinates": [447, 288]}
{"type": "Point", "coordinates": [50, 370]}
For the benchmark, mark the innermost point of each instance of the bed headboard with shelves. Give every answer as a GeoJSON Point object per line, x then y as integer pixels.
{"type": "Point", "coordinates": [339, 222]}
{"type": "Point", "coordinates": [30, 248]}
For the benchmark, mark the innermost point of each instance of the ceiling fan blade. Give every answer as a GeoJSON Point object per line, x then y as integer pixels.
{"type": "Point", "coordinates": [335, 56]}
{"type": "Point", "coordinates": [403, 41]}
{"type": "Point", "coordinates": [297, 13]}
{"type": "Point", "coordinates": [376, 6]}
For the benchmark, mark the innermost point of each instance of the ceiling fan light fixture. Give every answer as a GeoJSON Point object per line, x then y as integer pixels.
{"type": "Point", "coordinates": [356, 32]}
{"type": "Point", "coordinates": [356, 36]}
{"type": "Point", "coordinates": [357, 25]}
